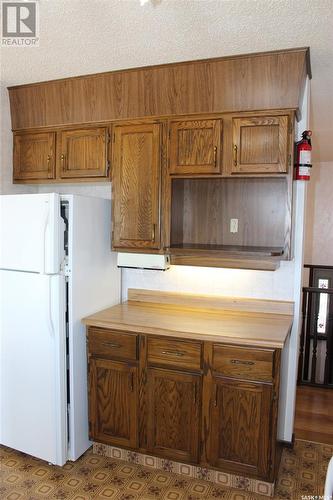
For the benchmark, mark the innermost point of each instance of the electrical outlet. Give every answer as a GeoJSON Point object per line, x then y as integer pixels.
{"type": "Point", "coordinates": [234, 225]}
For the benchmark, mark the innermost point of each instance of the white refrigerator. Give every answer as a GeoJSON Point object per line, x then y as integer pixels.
{"type": "Point", "coordinates": [56, 266]}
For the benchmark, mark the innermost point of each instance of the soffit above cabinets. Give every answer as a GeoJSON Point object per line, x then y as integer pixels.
{"type": "Point", "coordinates": [270, 80]}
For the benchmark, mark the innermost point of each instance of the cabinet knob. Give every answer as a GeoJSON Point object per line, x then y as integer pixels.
{"type": "Point", "coordinates": [48, 158]}
{"type": "Point", "coordinates": [62, 158]}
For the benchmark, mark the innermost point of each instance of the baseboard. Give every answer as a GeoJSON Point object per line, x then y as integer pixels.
{"type": "Point", "coordinates": [257, 487]}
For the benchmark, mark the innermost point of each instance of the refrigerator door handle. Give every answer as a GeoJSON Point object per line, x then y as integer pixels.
{"type": "Point", "coordinates": [49, 305]}
{"type": "Point", "coordinates": [45, 224]}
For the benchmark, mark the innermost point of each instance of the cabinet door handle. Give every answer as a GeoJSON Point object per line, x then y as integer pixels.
{"type": "Point", "coordinates": [215, 156]}
{"type": "Point", "coordinates": [215, 396]}
{"type": "Point", "coordinates": [235, 155]}
{"type": "Point", "coordinates": [241, 362]}
{"type": "Point", "coordinates": [113, 345]}
{"type": "Point", "coordinates": [48, 158]}
{"type": "Point", "coordinates": [195, 394]}
{"type": "Point", "coordinates": [174, 353]}
{"type": "Point", "coordinates": [153, 232]}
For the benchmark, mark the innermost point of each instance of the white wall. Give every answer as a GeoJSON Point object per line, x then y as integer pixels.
{"type": "Point", "coordinates": [232, 282]}
{"type": "Point", "coordinates": [319, 215]}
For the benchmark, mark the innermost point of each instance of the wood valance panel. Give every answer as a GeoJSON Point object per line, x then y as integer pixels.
{"type": "Point", "coordinates": [271, 80]}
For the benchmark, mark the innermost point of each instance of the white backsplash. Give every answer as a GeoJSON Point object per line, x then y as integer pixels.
{"type": "Point", "coordinates": [277, 284]}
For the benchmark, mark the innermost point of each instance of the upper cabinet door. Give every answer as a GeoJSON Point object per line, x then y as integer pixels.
{"type": "Point", "coordinates": [260, 145]}
{"type": "Point", "coordinates": [34, 156]}
{"type": "Point", "coordinates": [84, 153]}
{"type": "Point", "coordinates": [195, 147]}
{"type": "Point", "coordinates": [136, 186]}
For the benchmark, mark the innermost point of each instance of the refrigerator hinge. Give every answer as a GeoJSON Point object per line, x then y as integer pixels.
{"type": "Point", "coordinates": [66, 269]}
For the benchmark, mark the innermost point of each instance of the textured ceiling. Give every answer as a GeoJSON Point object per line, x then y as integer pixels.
{"type": "Point", "coordinates": [87, 36]}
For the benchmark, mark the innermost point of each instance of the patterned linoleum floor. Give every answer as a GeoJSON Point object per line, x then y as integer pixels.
{"type": "Point", "coordinates": [302, 474]}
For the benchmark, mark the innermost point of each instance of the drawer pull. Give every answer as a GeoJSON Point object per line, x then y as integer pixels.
{"type": "Point", "coordinates": [113, 345]}
{"type": "Point", "coordinates": [174, 353]}
{"type": "Point", "coordinates": [241, 362]}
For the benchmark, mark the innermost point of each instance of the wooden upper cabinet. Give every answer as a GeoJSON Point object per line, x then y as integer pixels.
{"type": "Point", "coordinates": [195, 147]}
{"type": "Point", "coordinates": [174, 408]}
{"type": "Point", "coordinates": [240, 426]}
{"type": "Point", "coordinates": [34, 156]}
{"type": "Point", "coordinates": [260, 145]}
{"type": "Point", "coordinates": [136, 186]}
{"type": "Point", "coordinates": [84, 153]}
{"type": "Point", "coordinates": [113, 397]}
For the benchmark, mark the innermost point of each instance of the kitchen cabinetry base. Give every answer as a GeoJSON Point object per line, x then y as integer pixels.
{"type": "Point", "coordinates": [221, 478]}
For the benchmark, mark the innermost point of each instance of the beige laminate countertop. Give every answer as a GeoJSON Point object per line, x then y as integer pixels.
{"type": "Point", "coordinates": [236, 325]}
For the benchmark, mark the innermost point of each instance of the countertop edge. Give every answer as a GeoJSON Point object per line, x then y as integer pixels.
{"type": "Point", "coordinates": [186, 335]}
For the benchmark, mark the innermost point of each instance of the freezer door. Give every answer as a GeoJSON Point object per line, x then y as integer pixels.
{"type": "Point", "coordinates": [33, 400]}
{"type": "Point", "coordinates": [31, 233]}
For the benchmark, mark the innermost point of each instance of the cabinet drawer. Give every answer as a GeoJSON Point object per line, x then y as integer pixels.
{"type": "Point", "coordinates": [243, 362]}
{"type": "Point", "coordinates": [172, 352]}
{"type": "Point", "coordinates": [112, 344]}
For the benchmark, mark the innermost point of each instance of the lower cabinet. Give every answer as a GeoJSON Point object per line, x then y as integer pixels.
{"type": "Point", "coordinates": [217, 407]}
{"type": "Point", "coordinates": [113, 402]}
{"type": "Point", "coordinates": [240, 426]}
{"type": "Point", "coordinates": [173, 414]}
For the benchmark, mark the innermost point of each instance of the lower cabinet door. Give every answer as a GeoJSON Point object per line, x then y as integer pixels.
{"type": "Point", "coordinates": [113, 402]}
{"type": "Point", "coordinates": [174, 402]}
{"type": "Point", "coordinates": [240, 439]}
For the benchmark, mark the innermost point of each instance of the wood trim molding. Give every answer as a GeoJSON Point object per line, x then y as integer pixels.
{"type": "Point", "coordinates": [224, 84]}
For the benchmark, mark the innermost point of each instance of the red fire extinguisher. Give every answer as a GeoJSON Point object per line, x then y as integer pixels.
{"type": "Point", "coordinates": [303, 157]}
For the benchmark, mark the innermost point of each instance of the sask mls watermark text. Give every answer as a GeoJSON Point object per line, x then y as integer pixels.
{"type": "Point", "coordinates": [19, 24]}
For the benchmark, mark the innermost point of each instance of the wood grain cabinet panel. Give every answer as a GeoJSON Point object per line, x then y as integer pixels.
{"type": "Point", "coordinates": [113, 402]}
{"type": "Point", "coordinates": [113, 344]}
{"type": "Point", "coordinates": [243, 362]}
{"type": "Point", "coordinates": [136, 186]}
{"type": "Point", "coordinates": [240, 426]}
{"type": "Point", "coordinates": [174, 406]}
{"type": "Point", "coordinates": [84, 153]}
{"type": "Point", "coordinates": [176, 353]}
{"type": "Point", "coordinates": [34, 156]}
{"type": "Point", "coordinates": [260, 145]}
{"type": "Point", "coordinates": [195, 147]}
{"type": "Point", "coordinates": [205, 410]}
